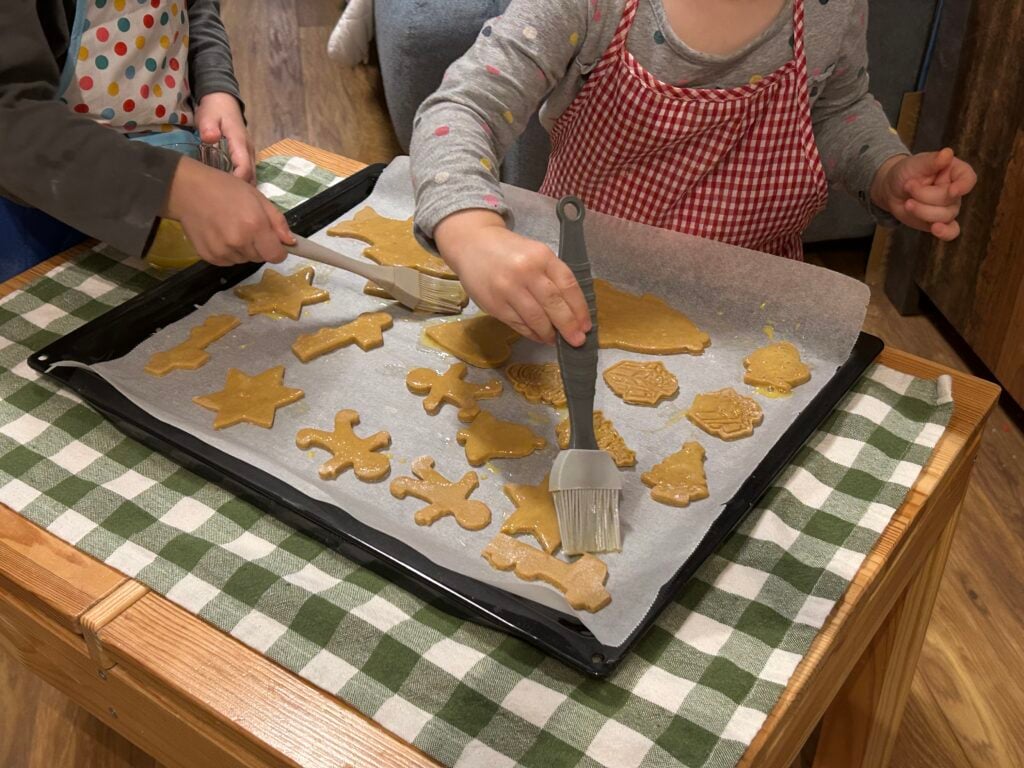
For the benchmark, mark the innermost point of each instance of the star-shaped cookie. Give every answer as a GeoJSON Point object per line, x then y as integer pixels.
{"type": "Point", "coordinates": [253, 399]}
{"type": "Point", "coordinates": [277, 294]}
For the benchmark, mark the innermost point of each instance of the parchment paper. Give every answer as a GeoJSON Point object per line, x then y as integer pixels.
{"type": "Point", "coordinates": [733, 294]}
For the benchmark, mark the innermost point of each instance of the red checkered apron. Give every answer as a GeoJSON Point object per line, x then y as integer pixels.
{"type": "Point", "coordinates": [734, 164]}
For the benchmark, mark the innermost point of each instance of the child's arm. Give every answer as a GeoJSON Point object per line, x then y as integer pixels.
{"type": "Point", "coordinates": [460, 135]}
{"type": "Point", "coordinates": [215, 90]}
{"type": "Point", "coordinates": [862, 152]}
{"type": "Point", "coordinates": [99, 182]}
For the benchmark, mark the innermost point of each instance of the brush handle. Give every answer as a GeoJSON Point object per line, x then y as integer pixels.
{"type": "Point", "coordinates": [578, 364]}
{"type": "Point", "coordinates": [316, 252]}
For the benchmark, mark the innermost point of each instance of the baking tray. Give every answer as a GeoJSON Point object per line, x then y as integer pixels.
{"type": "Point", "coordinates": [117, 332]}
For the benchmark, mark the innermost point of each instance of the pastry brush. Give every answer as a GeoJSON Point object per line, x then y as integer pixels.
{"type": "Point", "coordinates": [412, 289]}
{"type": "Point", "coordinates": [585, 482]}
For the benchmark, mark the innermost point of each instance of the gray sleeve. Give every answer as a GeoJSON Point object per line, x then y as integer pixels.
{"type": "Point", "coordinates": [853, 134]}
{"type": "Point", "coordinates": [65, 164]}
{"type": "Point", "coordinates": [462, 131]}
{"type": "Point", "coordinates": [209, 52]}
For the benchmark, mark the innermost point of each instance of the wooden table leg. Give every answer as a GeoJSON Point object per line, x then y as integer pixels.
{"type": "Point", "coordinates": [860, 726]}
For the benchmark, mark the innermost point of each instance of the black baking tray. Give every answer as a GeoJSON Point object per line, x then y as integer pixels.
{"type": "Point", "coordinates": [117, 332]}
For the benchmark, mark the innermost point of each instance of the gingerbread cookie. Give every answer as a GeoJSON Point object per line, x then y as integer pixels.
{"type": "Point", "coordinates": [776, 367]}
{"type": "Point", "coordinates": [490, 438]}
{"type": "Point", "coordinates": [641, 383]}
{"type": "Point", "coordinates": [372, 289]}
{"type": "Point", "coordinates": [451, 387]}
{"type": "Point", "coordinates": [483, 341]}
{"type": "Point", "coordinates": [538, 382]}
{"type": "Point", "coordinates": [680, 478]}
{"type": "Point", "coordinates": [253, 399]}
{"type": "Point", "coordinates": [644, 324]}
{"type": "Point", "coordinates": [535, 514]}
{"type": "Point", "coordinates": [277, 294]}
{"type": "Point", "coordinates": [725, 414]}
{"type": "Point", "coordinates": [392, 242]}
{"type": "Point", "coordinates": [608, 440]}
{"type": "Point", "coordinates": [443, 496]}
{"type": "Point", "coordinates": [582, 581]}
{"type": "Point", "coordinates": [366, 332]}
{"type": "Point", "coordinates": [347, 450]}
{"type": "Point", "coordinates": [191, 353]}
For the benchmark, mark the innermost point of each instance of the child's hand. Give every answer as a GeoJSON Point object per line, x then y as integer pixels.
{"type": "Point", "coordinates": [227, 220]}
{"type": "Point", "coordinates": [219, 116]}
{"type": "Point", "coordinates": [515, 279]}
{"type": "Point", "coordinates": [924, 190]}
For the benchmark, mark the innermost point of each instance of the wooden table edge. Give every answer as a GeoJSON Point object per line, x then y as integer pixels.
{"type": "Point", "coordinates": [153, 602]}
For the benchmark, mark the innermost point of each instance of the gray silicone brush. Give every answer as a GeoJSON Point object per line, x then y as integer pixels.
{"type": "Point", "coordinates": [584, 480]}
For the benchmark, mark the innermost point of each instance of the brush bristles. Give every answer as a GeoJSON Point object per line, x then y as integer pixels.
{"type": "Point", "coordinates": [441, 296]}
{"type": "Point", "coordinates": [588, 520]}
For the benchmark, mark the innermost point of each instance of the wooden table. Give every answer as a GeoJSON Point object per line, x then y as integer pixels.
{"type": "Point", "coordinates": [192, 696]}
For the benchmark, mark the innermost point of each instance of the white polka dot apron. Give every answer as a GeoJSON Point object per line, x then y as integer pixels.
{"type": "Point", "coordinates": [127, 68]}
{"type": "Point", "coordinates": [738, 165]}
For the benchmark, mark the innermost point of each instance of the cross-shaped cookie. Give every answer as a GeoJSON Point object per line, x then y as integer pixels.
{"type": "Point", "coordinates": [366, 332]}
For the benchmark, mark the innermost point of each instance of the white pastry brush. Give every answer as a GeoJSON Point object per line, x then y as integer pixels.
{"type": "Point", "coordinates": [585, 482]}
{"type": "Point", "coordinates": [413, 289]}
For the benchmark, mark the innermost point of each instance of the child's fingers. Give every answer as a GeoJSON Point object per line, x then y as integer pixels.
{"type": "Point", "coordinates": [533, 315]}
{"type": "Point", "coordinates": [238, 149]}
{"type": "Point", "coordinates": [946, 230]}
{"type": "Point", "coordinates": [277, 222]}
{"type": "Point", "coordinates": [932, 213]}
{"type": "Point", "coordinates": [962, 178]}
{"type": "Point", "coordinates": [572, 295]}
{"type": "Point", "coordinates": [931, 194]}
{"type": "Point", "coordinates": [560, 315]}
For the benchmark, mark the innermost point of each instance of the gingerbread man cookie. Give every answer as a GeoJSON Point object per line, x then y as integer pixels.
{"type": "Point", "coordinates": [483, 341]}
{"type": "Point", "coordinates": [641, 383]}
{"type": "Point", "coordinates": [777, 368]}
{"type": "Point", "coordinates": [253, 399]}
{"type": "Point", "coordinates": [191, 353]}
{"type": "Point", "coordinates": [608, 440]}
{"type": "Point", "coordinates": [392, 242]}
{"type": "Point", "coordinates": [490, 438]}
{"type": "Point", "coordinates": [582, 581]}
{"type": "Point", "coordinates": [644, 324]}
{"type": "Point", "coordinates": [366, 332]}
{"type": "Point", "coordinates": [277, 294]}
{"type": "Point", "coordinates": [725, 414]}
{"type": "Point", "coordinates": [538, 382]}
{"type": "Point", "coordinates": [680, 478]}
{"type": "Point", "coordinates": [347, 449]}
{"type": "Point", "coordinates": [535, 514]}
{"type": "Point", "coordinates": [443, 496]}
{"type": "Point", "coordinates": [451, 387]}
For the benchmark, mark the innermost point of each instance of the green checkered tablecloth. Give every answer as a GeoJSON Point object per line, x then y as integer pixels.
{"type": "Point", "coordinates": [695, 691]}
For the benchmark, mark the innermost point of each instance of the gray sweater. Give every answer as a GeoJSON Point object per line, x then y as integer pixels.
{"type": "Point", "coordinates": [539, 52]}
{"type": "Point", "coordinates": [77, 171]}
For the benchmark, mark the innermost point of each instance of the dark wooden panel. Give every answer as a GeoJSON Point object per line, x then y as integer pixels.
{"type": "Point", "coordinates": [985, 120]}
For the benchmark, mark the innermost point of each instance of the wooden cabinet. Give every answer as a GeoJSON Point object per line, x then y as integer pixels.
{"type": "Point", "coordinates": [974, 102]}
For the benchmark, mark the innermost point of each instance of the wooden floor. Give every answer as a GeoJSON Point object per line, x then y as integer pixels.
{"type": "Point", "coordinates": [967, 702]}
